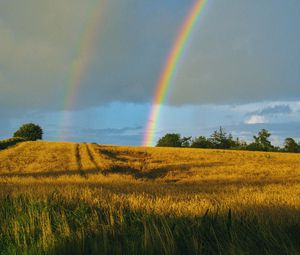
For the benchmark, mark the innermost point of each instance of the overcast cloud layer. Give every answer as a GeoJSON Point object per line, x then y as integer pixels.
{"type": "Point", "coordinates": [241, 51]}
{"type": "Point", "coordinates": [239, 70]}
{"type": "Point", "coordinates": [40, 41]}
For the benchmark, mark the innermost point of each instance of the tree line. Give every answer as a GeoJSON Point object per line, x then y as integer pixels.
{"type": "Point", "coordinates": [219, 139]}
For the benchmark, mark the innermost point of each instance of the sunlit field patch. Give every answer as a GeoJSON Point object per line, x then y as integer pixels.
{"type": "Point", "coordinates": [68, 198]}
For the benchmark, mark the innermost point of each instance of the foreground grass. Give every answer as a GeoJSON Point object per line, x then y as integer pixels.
{"type": "Point", "coordinates": [60, 198]}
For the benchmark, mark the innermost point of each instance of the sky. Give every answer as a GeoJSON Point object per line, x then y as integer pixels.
{"type": "Point", "coordinates": [239, 70]}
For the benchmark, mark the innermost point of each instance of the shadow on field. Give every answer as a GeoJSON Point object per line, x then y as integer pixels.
{"type": "Point", "coordinates": [160, 173]}
{"type": "Point", "coordinates": [140, 165]}
{"type": "Point", "coordinates": [123, 156]}
{"type": "Point", "coordinates": [143, 172]}
{"type": "Point", "coordinates": [136, 173]}
{"type": "Point", "coordinates": [137, 232]}
{"type": "Point", "coordinates": [115, 169]}
{"type": "Point", "coordinates": [57, 173]}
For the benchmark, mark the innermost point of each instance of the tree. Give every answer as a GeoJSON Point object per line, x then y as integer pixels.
{"type": "Point", "coordinates": [261, 141]}
{"type": "Point", "coordinates": [290, 145]}
{"type": "Point", "coordinates": [186, 141]}
{"type": "Point", "coordinates": [30, 132]}
{"type": "Point", "coordinates": [170, 140]}
{"type": "Point", "coordinates": [239, 144]}
{"type": "Point", "coordinates": [201, 142]}
{"type": "Point", "coordinates": [220, 139]}
{"type": "Point", "coordinates": [234, 143]}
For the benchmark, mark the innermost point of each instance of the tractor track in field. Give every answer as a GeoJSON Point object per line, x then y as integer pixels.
{"type": "Point", "coordinates": [85, 160]}
{"type": "Point", "coordinates": [91, 157]}
{"type": "Point", "coordinates": [78, 160]}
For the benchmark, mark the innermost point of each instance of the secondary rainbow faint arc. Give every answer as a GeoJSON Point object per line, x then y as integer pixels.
{"type": "Point", "coordinates": [80, 62]}
{"type": "Point", "coordinates": [170, 68]}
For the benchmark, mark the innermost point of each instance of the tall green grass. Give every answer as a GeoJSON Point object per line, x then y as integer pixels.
{"type": "Point", "coordinates": [54, 225]}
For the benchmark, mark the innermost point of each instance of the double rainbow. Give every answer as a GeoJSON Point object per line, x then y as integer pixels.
{"type": "Point", "coordinates": [170, 68]}
{"type": "Point", "coordinates": [83, 58]}
{"type": "Point", "coordinates": [81, 61]}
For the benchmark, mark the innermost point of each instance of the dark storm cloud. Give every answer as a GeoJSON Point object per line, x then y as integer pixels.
{"type": "Point", "coordinates": [240, 51]}
{"type": "Point", "coordinates": [243, 51]}
{"type": "Point", "coordinates": [41, 41]}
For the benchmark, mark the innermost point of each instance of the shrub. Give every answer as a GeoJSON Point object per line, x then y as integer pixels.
{"type": "Point", "coordinates": [262, 142]}
{"type": "Point", "coordinates": [170, 140]}
{"type": "Point", "coordinates": [10, 142]}
{"type": "Point", "coordinates": [30, 132]}
{"type": "Point", "coordinates": [290, 145]}
{"type": "Point", "coordinates": [201, 142]}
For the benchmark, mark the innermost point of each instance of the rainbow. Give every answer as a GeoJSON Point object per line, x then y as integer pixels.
{"type": "Point", "coordinates": [79, 66]}
{"type": "Point", "coordinates": [170, 68]}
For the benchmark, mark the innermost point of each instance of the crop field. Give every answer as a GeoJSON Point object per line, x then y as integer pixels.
{"type": "Point", "coordinates": [70, 198]}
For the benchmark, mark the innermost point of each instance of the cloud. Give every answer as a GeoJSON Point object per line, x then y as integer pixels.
{"type": "Point", "coordinates": [225, 62]}
{"type": "Point", "coordinates": [113, 131]}
{"type": "Point", "coordinates": [256, 119]}
{"type": "Point", "coordinates": [37, 43]}
{"type": "Point", "coordinates": [254, 59]}
{"type": "Point", "coordinates": [121, 136]}
{"type": "Point", "coordinates": [273, 110]}
{"type": "Point", "coordinates": [40, 40]}
{"type": "Point", "coordinates": [279, 130]}
{"type": "Point", "coordinates": [277, 109]}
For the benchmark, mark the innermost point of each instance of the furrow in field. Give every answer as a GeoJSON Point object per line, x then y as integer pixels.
{"type": "Point", "coordinates": [102, 161]}
{"type": "Point", "coordinates": [86, 161]}
{"type": "Point", "coordinates": [91, 156]}
{"type": "Point", "coordinates": [78, 156]}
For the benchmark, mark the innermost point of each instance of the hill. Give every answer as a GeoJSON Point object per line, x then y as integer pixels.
{"type": "Point", "coordinates": [69, 198]}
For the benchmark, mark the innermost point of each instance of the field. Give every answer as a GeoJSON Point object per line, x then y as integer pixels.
{"type": "Point", "coordinates": [68, 198]}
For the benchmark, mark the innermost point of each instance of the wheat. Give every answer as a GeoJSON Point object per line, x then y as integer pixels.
{"type": "Point", "coordinates": [56, 196]}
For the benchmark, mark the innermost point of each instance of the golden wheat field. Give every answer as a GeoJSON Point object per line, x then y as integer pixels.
{"type": "Point", "coordinates": [213, 201]}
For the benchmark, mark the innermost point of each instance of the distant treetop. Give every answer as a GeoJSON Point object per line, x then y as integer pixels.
{"type": "Point", "coordinates": [30, 132]}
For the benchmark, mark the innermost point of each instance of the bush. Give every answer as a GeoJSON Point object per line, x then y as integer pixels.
{"type": "Point", "coordinates": [30, 132]}
{"type": "Point", "coordinates": [290, 145]}
{"type": "Point", "coordinates": [170, 140]}
{"type": "Point", "coordinates": [201, 142]}
{"type": "Point", "coordinates": [10, 142]}
{"type": "Point", "coordinates": [220, 140]}
{"type": "Point", "coordinates": [262, 142]}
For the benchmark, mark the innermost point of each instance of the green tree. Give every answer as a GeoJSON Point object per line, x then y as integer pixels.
{"type": "Point", "coordinates": [30, 132]}
{"type": "Point", "coordinates": [234, 143]}
{"type": "Point", "coordinates": [201, 142]}
{"type": "Point", "coordinates": [170, 140]}
{"type": "Point", "coordinates": [186, 141]}
{"type": "Point", "coordinates": [221, 140]}
{"type": "Point", "coordinates": [261, 141]}
{"type": "Point", "coordinates": [290, 145]}
{"type": "Point", "coordinates": [239, 144]}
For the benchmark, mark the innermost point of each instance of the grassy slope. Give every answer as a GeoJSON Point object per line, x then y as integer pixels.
{"type": "Point", "coordinates": [58, 197]}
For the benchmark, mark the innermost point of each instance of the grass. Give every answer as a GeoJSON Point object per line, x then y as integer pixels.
{"type": "Point", "coordinates": [67, 198]}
